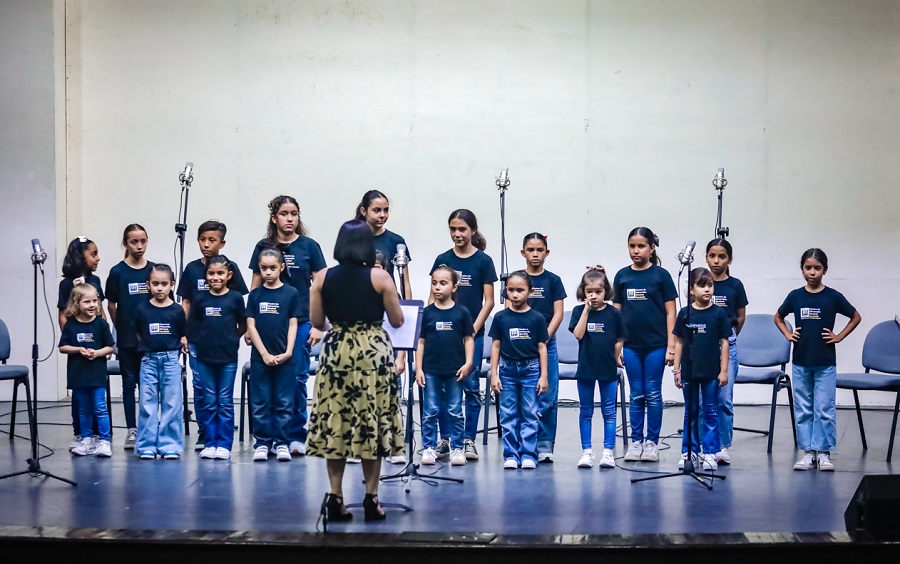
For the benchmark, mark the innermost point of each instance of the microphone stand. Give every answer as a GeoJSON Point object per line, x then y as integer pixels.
{"type": "Point", "coordinates": [720, 183]}
{"type": "Point", "coordinates": [689, 398]}
{"type": "Point", "coordinates": [34, 463]}
{"type": "Point", "coordinates": [186, 177]}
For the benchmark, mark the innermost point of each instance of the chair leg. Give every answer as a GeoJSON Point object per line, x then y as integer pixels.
{"type": "Point", "coordinates": [624, 412]}
{"type": "Point", "coordinates": [109, 406]}
{"type": "Point", "coordinates": [775, 387]}
{"type": "Point", "coordinates": [184, 398]}
{"type": "Point", "coordinates": [487, 411]}
{"type": "Point", "coordinates": [862, 429]}
{"type": "Point", "coordinates": [893, 427]}
{"type": "Point", "coordinates": [790, 391]}
{"type": "Point", "coordinates": [12, 418]}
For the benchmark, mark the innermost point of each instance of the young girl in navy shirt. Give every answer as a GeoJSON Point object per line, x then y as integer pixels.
{"type": "Point", "coordinates": [476, 293]}
{"type": "Point", "coordinates": [702, 366]}
{"type": "Point", "coordinates": [815, 307]}
{"type": "Point", "coordinates": [160, 326]}
{"type": "Point", "coordinates": [443, 361]}
{"type": "Point", "coordinates": [600, 335]}
{"type": "Point", "coordinates": [218, 316]}
{"type": "Point", "coordinates": [728, 293]}
{"type": "Point", "coordinates": [303, 258]}
{"type": "Point", "coordinates": [126, 287]}
{"type": "Point", "coordinates": [79, 265]}
{"type": "Point", "coordinates": [272, 312]}
{"type": "Point", "coordinates": [519, 371]}
{"type": "Point", "coordinates": [547, 299]}
{"type": "Point", "coordinates": [87, 340]}
{"type": "Point", "coordinates": [645, 294]}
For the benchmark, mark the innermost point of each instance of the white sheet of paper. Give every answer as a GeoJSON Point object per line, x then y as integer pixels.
{"type": "Point", "coordinates": [404, 337]}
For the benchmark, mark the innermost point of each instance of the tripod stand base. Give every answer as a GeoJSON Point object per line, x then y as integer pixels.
{"type": "Point", "coordinates": [411, 471]}
{"type": "Point", "coordinates": [34, 469]}
{"type": "Point", "coordinates": [688, 471]}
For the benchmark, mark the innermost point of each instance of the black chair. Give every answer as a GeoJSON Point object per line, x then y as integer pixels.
{"type": "Point", "coordinates": [486, 374]}
{"type": "Point", "coordinates": [881, 352]}
{"type": "Point", "coordinates": [763, 354]}
{"type": "Point", "coordinates": [15, 373]}
{"type": "Point", "coordinates": [567, 349]}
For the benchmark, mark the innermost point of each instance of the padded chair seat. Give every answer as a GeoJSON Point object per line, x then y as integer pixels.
{"type": "Point", "coordinates": [567, 371]}
{"type": "Point", "coordinates": [13, 371]}
{"type": "Point", "coordinates": [869, 381]}
{"type": "Point", "coordinates": [113, 368]}
{"type": "Point", "coordinates": [757, 375]}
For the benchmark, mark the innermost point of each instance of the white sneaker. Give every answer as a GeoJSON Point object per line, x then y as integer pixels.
{"type": "Point", "coordinates": [298, 448]}
{"type": "Point", "coordinates": [208, 452]}
{"type": "Point", "coordinates": [684, 458]}
{"type": "Point", "coordinates": [353, 461]}
{"type": "Point", "coordinates": [222, 453]}
{"type": "Point", "coordinates": [510, 464]}
{"type": "Point", "coordinates": [608, 460]}
{"type": "Point", "coordinates": [709, 462]}
{"type": "Point", "coordinates": [806, 462]}
{"type": "Point", "coordinates": [428, 457]}
{"type": "Point", "coordinates": [634, 452]}
{"type": "Point", "coordinates": [457, 458]}
{"type": "Point", "coordinates": [397, 459]}
{"type": "Point", "coordinates": [545, 457]}
{"type": "Point", "coordinates": [651, 452]}
{"type": "Point", "coordinates": [85, 447]}
{"type": "Point", "coordinates": [261, 454]}
{"type": "Point", "coordinates": [103, 450]}
{"type": "Point", "coordinates": [722, 456]}
{"type": "Point", "coordinates": [282, 454]}
{"type": "Point", "coordinates": [823, 461]}
{"type": "Point", "coordinates": [95, 442]}
{"type": "Point", "coordinates": [587, 459]}
{"type": "Point", "coordinates": [76, 442]}
{"type": "Point", "coordinates": [528, 464]}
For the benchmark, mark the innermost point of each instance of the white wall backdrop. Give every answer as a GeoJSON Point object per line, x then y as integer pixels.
{"type": "Point", "coordinates": [609, 115]}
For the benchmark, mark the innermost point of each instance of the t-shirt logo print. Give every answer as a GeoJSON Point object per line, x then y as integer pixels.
{"type": "Point", "coordinates": [269, 307]}
{"type": "Point", "coordinates": [443, 325]}
{"type": "Point", "coordinates": [636, 293]}
{"type": "Point", "coordinates": [135, 288]}
{"type": "Point", "coordinates": [160, 329]}
{"type": "Point", "coordinates": [85, 337]}
{"type": "Point", "coordinates": [595, 328]}
{"type": "Point", "coordinates": [213, 312]}
{"type": "Point", "coordinates": [202, 285]}
{"type": "Point", "coordinates": [720, 301]}
{"type": "Point", "coordinates": [518, 333]}
{"type": "Point", "coordinates": [810, 313]}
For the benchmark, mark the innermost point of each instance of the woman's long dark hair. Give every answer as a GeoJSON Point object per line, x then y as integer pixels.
{"type": "Point", "coordinates": [478, 240]}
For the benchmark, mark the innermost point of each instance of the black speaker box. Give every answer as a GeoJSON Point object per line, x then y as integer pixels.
{"type": "Point", "coordinates": [874, 510]}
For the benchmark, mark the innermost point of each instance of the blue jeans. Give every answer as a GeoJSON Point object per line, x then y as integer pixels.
{"type": "Point", "coordinates": [217, 395]}
{"type": "Point", "coordinates": [92, 407]}
{"type": "Point", "coordinates": [705, 429]}
{"type": "Point", "coordinates": [76, 418]}
{"type": "Point", "coordinates": [726, 396]}
{"type": "Point", "coordinates": [160, 426]}
{"type": "Point", "coordinates": [272, 390]}
{"type": "Point", "coordinates": [814, 407]}
{"type": "Point", "coordinates": [645, 371]}
{"type": "Point", "coordinates": [519, 408]}
{"type": "Point", "coordinates": [548, 402]}
{"type": "Point", "coordinates": [442, 396]}
{"type": "Point", "coordinates": [130, 365]}
{"type": "Point", "coordinates": [607, 408]}
{"type": "Point", "coordinates": [296, 430]}
{"type": "Point", "coordinates": [472, 394]}
{"type": "Point", "coordinates": [200, 405]}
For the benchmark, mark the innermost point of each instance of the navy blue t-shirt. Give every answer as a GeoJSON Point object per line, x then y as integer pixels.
{"type": "Point", "coordinates": [159, 329]}
{"type": "Point", "coordinates": [814, 312]}
{"type": "Point", "coordinates": [730, 294]}
{"type": "Point", "coordinates": [547, 289]}
{"type": "Point", "coordinates": [215, 320]}
{"type": "Point", "coordinates": [474, 272]}
{"type": "Point", "coordinates": [643, 295]}
{"type": "Point", "coordinates": [81, 372]}
{"type": "Point", "coordinates": [127, 287]}
{"type": "Point", "coordinates": [66, 285]}
{"type": "Point", "coordinates": [272, 311]}
{"type": "Point", "coordinates": [443, 331]}
{"type": "Point", "coordinates": [519, 333]}
{"type": "Point", "coordinates": [193, 283]}
{"type": "Point", "coordinates": [387, 243]}
{"type": "Point", "coordinates": [710, 326]}
{"type": "Point", "coordinates": [302, 258]}
{"type": "Point", "coordinates": [597, 349]}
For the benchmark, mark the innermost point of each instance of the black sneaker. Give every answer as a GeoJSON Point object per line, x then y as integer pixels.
{"type": "Point", "coordinates": [443, 449]}
{"type": "Point", "coordinates": [469, 450]}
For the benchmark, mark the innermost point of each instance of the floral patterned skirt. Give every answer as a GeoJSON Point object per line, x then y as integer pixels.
{"type": "Point", "coordinates": [356, 409]}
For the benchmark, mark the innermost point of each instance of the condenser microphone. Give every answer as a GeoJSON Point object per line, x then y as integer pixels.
{"type": "Point", "coordinates": [186, 176]}
{"type": "Point", "coordinates": [38, 256]}
{"type": "Point", "coordinates": [719, 180]}
{"type": "Point", "coordinates": [686, 257]}
{"type": "Point", "coordinates": [400, 259]}
{"type": "Point", "coordinates": [503, 180]}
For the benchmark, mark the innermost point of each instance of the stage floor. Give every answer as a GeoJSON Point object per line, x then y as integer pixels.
{"type": "Point", "coordinates": [761, 493]}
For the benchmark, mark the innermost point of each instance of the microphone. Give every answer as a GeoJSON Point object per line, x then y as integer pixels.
{"type": "Point", "coordinates": [685, 257]}
{"type": "Point", "coordinates": [719, 180]}
{"type": "Point", "coordinates": [38, 255]}
{"type": "Point", "coordinates": [186, 176]}
{"type": "Point", "coordinates": [503, 180]}
{"type": "Point", "coordinates": [400, 259]}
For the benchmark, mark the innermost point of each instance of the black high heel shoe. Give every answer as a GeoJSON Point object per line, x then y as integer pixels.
{"type": "Point", "coordinates": [334, 507]}
{"type": "Point", "coordinates": [370, 508]}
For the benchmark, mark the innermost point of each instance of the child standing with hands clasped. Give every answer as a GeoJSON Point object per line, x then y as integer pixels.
{"type": "Point", "coordinates": [87, 340]}
{"type": "Point", "coordinates": [160, 325]}
{"type": "Point", "coordinates": [443, 361]}
{"type": "Point", "coordinates": [814, 359]}
{"type": "Point", "coordinates": [519, 371]}
{"type": "Point", "coordinates": [701, 364]}
{"type": "Point", "coordinates": [600, 335]}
